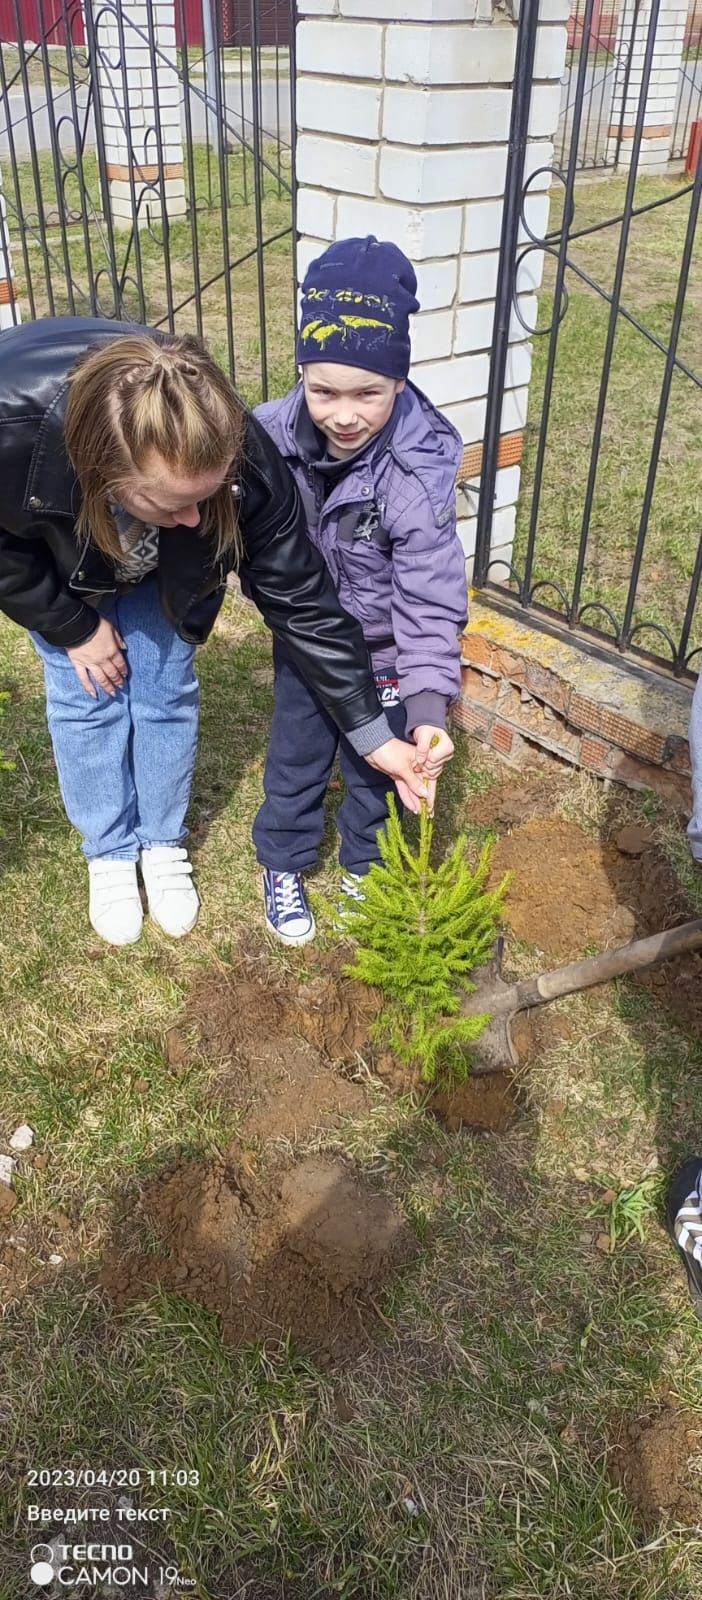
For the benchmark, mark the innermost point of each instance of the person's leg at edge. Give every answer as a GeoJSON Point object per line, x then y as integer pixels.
{"type": "Point", "coordinates": [289, 826]}
{"type": "Point", "coordinates": [90, 739]}
{"type": "Point", "coordinates": [364, 810]}
{"type": "Point", "coordinates": [164, 700]}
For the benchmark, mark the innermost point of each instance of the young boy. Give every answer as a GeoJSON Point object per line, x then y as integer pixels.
{"type": "Point", "coordinates": [376, 466]}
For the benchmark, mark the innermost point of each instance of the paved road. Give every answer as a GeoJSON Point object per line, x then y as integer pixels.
{"type": "Point", "coordinates": [275, 102]}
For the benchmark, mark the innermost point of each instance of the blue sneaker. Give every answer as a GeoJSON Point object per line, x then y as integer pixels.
{"type": "Point", "coordinates": [287, 913]}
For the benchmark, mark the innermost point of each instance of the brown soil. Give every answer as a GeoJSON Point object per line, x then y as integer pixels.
{"type": "Point", "coordinates": [571, 894]}
{"type": "Point", "coordinates": [276, 1043]}
{"type": "Point", "coordinates": [241, 1013]}
{"type": "Point", "coordinates": [487, 1104]}
{"type": "Point", "coordinates": [657, 1463]}
{"type": "Point", "coordinates": [278, 1040]}
{"type": "Point", "coordinates": [307, 1250]}
{"type": "Point", "coordinates": [513, 800]}
{"type": "Point", "coordinates": [562, 898]}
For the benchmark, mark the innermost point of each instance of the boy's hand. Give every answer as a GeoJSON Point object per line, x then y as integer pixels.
{"type": "Point", "coordinates": [397, 759]}
{"type": "Point", "coordinates": [433, 750]}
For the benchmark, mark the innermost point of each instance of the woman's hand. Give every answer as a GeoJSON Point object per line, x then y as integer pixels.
{"type": "Point", "coordinates": [397, 759]}
{"type": "Point", "coordinates": [100, 660]}
{"type": "Point", "coordinates": [434, 750]}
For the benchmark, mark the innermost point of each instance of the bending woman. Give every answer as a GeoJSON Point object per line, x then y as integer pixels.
{"type": "Point", "coordinates": [133, 481]}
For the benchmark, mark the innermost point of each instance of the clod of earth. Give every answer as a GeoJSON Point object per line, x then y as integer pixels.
{"type": "Point", "coordinates": [307, 1251]}
{"type": "Point", "coordinates": [633, 840]}
{"type": "Point", "coordinates": [656, 1462]}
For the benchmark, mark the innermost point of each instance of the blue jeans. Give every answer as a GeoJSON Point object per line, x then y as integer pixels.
{"type": "Point", "coordinates": [304, 741]}
{"type": "Point", "coordinates": [125, 763]}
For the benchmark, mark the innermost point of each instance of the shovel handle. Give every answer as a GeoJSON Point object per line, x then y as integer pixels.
{"type": "Point", "coordinates": [578, 975]}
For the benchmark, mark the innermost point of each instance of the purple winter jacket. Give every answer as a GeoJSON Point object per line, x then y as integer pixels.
{"type": "Point", "coordinates": [386, 527]}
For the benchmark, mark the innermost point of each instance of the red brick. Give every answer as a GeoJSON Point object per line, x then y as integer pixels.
{"type": "Point", "coordinates": [642, 775]}
{"type": "Point", "coordinates": [631, 736]}
{"type": "Point", "coordinates": [472, 718]}
{"type": "Point", "coordinates": [502, 738]}
{"type": "Point", "coordinates": [595, 754]}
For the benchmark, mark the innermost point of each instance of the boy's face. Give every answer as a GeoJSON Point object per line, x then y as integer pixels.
{"type": "Point", "coordinates": [347, 404]}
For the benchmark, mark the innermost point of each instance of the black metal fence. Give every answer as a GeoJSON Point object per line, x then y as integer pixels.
{"type": "Point", "coordinates": [609, 527]}
{"type": "Point", "coordinates": [603, 72]}
{"type": "Point", "coordinates": [608, 50]}
{"type": "Point", "coordinates": [689, 106]}
{"type": "Point", "coordinates": [220, 262]}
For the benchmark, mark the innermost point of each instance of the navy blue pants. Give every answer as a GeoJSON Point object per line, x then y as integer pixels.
{"type": "Point", "coordinates": [304, 741]}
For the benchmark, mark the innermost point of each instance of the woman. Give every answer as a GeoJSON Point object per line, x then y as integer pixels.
{"type": "Point", "coordinates": [133, 480]}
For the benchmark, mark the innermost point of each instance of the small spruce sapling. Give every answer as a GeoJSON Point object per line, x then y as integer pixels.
{"type": "Point", "coordinates": [421, 931]}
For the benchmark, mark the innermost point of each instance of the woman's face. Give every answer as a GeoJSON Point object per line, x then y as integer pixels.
{"type": "Point", "coordinates": [157, 493]}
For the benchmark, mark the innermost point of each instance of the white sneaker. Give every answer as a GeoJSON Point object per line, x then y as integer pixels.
{"type": "Point", "coordinates": [173, 901]}
{"type": "Point", "coordinates": [115, 908]}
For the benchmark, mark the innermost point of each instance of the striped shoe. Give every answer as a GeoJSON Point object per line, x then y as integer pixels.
{"type": "Point", "coordinates": [351, 892]}
{"type": "Point", "coordinates": [684, 1223]}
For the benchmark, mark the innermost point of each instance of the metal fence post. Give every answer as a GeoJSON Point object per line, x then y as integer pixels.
{"type": "Point", "coordinates": [507, 275]}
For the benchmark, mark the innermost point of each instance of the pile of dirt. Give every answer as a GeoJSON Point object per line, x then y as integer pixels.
{"type": "Point", "coordinates": [284, 1046]}
{"type": "Point", "coordinates": [563, 897]}
{"type": "Point", "coordinates": [306, 1250]}
{"type": "Point", "coordinates": [277, 1042]}
{"type": "Point", "coordinates": [657, 1463]}
{"type": "Point", "coordinates": [239, 1012]}
{"type": "Point", "coordinates": [570, 894]}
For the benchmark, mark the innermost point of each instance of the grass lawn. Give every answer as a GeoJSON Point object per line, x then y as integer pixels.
{"type": "Point", "coordinates": [675, 525]}
{"type": "Point", "coordinates": [144, 260]}
{"type": "Point", "coordinates": [469, 1453]}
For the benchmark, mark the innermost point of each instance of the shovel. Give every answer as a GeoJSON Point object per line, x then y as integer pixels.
{"type": "Point", "coordinates": [494, 1051]}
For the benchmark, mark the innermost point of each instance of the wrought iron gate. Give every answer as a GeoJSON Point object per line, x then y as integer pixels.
{"type": "Point", "coordinates": [609, 526]}
{"type": "Point", "coordinates": [223, 269]}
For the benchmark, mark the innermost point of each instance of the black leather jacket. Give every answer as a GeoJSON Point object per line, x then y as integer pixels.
{"type": "Point", "coordinates": [51, 586]}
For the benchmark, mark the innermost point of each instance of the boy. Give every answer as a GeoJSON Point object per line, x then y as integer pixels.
{"type": "Point", "coordinates": [376, 466]}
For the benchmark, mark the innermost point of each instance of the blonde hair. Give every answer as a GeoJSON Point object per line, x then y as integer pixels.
{"type": "Point", "coordinates": [141, 393]}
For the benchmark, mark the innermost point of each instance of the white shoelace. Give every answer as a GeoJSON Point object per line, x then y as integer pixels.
{"type": "Point", "coordinates": [287, 895]}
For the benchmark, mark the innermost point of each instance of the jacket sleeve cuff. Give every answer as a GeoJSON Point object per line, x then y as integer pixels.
{"type": "Point", "coordinates": [78, 631]}
{"type": "Point", "coordinates": [427, 708]}
{"type": "Point", "coordinates": [370, 735]}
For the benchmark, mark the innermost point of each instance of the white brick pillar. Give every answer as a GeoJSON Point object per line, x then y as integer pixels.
{"type": "Point", "coordinates": [139, 97]}
{"type": "Point", "coordinates": [9, 305]}
{"type": "Point", "coordinates": [663, 84]}
{"type": "Point", "coordinates": [403, 111]}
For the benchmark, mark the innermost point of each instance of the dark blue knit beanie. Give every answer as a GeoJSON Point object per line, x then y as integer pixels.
{"type": "Point", "coordinates": [357, 300]}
